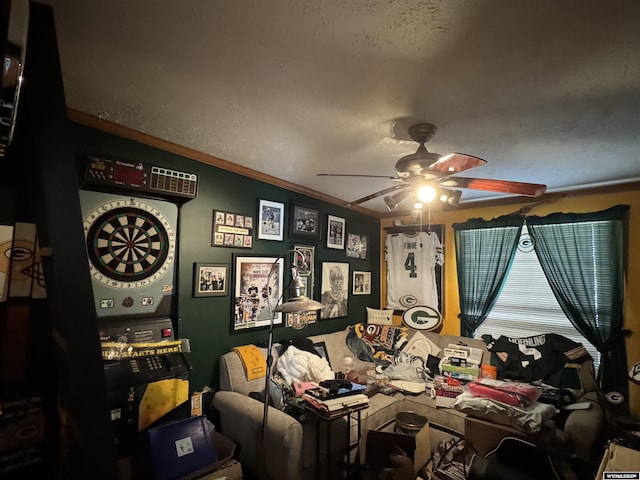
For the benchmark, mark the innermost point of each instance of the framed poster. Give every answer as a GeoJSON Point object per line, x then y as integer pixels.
{"type": "Point", "coordinates": [304, 259]}
{"type": "Point", "coordinates": [210, 279]}
{"type": "Point", "coordinates": [270, 220]}
{"type": "Point", "coordinates": [356, 246]}
{"type": "Point", "coordinates": [258, 285]}
{"type": "Point", "coordinates": [305, 222]}
{"type": "Point", "coordinates": [231, 230]}
{"type": "Point", "coordinates": [361, 283]}
{"type": "Point", "coordinates": [335, 232]}
{"type": "Point", "coordinates": [334, 285]}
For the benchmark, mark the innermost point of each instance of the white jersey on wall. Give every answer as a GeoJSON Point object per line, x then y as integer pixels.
{"type": "Point", "coordinates": [411, 277]}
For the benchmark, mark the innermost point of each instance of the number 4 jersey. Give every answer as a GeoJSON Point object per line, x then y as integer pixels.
{"type": "Point", "coordinates": [411, 261]}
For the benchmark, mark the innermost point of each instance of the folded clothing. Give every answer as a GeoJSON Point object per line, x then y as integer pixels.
{"type": "Point", "coordinates": [517, 394]}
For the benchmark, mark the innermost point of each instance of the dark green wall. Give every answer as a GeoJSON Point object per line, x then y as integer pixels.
{"type": "Point", "coordinates": [207, 321]}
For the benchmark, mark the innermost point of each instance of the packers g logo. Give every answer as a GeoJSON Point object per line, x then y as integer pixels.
{"type": "Point", "coordinates": [422, 318]}
{"type": "Point", "coordinates": [408, 301]}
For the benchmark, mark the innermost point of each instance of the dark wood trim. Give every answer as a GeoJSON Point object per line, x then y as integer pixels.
{"type": "Point", "coordinates": [145, 139]}
{"type": "Point", "coordinates": [135, 135]}
{"type": "Point", "coordinates": [531, 202]}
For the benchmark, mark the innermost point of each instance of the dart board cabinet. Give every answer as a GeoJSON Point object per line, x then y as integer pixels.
{"type": "Point", "coordinates": [131, 245]}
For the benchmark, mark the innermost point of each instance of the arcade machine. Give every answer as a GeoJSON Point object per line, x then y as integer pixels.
{"type": "Point", "coordinates": [131, 214]}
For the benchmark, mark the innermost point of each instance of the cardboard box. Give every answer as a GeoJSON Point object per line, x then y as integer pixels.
{"type": "Point", "coordinates": [188, 449]}
{"type": "Point", "coordinates": [232, 470]}
{"type": "Point", "coordinates": [225, 466]}
{"type": "Point", "coordinates": [618, 458]}
{"type": "Point", "coordinates": [375, 447]}
{"type": "Point", "coordinates": [484, 436]}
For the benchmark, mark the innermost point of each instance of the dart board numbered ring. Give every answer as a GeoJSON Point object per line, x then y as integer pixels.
{"type": "Point", "coordinates": [130, 244]}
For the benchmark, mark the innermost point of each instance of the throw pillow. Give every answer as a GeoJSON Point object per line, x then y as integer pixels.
{"type": "Point", "coordinates": [379, 317]}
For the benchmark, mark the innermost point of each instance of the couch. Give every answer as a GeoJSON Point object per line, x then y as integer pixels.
{"type": "Point", "coordinates": [292, 444]}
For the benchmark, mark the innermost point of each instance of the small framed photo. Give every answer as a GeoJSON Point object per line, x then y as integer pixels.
{"type": "Point", "coordinates": [303, 257]}
{"type": "Point", "coordinates": [335, 232]}
{"type": "Point", "coordinates": [356, 246]}
{"type": "Point", "coordinates": [210, 279]}
{"type": "Point", "coordinates": [321, 348]}
{"type": "Point", "coordinates": [361, 283]}
{"type": "Point", "coordinates": [270, 220]}
{"type": "Point", "coordinates": [305, 222]}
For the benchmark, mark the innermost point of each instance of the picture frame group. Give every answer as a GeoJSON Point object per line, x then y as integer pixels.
{"type": "Point", "coordinates": [231, 230]}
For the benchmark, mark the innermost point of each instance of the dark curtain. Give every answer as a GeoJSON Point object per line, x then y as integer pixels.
{"type": "Point", "coordinates": [583, 257]}
{"type": "Point", "coordinates": [484, 253]}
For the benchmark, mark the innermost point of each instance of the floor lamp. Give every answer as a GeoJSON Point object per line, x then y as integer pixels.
{"type": "Point", "coordinates": [298, 302]}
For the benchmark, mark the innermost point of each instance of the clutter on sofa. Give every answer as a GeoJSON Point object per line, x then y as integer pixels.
{"type": "Point", "coordinates": [401, 369]}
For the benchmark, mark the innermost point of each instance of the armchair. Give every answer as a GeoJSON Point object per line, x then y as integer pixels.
{"type": "Point", "coordinates": [290, 444]}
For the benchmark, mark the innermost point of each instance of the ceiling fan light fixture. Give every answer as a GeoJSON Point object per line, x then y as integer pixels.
{"type": "Point", "coordinates": [392, 201]}
{"type": "Point", "coordinates": [426, 193]}
{"type": "Point", "coordinates": [451, 197]}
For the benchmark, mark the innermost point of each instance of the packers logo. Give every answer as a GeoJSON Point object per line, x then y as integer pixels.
{"type": "Point", "coordinates": [408, 301]}
{"type": "Point", "coordinates": [422, 318]}
{"type": "Point", "coordinates": [19, 255]}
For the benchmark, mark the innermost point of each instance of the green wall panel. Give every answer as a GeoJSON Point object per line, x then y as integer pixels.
{"type": "Point", "coordinates": [206, 321]}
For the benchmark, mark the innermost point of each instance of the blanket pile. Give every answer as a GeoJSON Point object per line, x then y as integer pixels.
{"type": "Point", "coordinates": [297, 365]}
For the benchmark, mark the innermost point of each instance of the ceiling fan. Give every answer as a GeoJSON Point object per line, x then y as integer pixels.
{"type": "Point", "coordinates": [429, 175]}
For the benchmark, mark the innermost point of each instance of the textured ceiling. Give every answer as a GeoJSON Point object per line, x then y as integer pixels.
{"type": "Point", "coordinates": [546, 91]}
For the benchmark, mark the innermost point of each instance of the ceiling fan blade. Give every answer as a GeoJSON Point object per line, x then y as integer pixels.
{"type": "Point", "coordinates": [388, 177]}
{"type": "Point", "coordinates": [456, 162]}
{"type": "Point", "coordinates": [377, 194]}
{"type": "Point", "coordinates": [501, 186]}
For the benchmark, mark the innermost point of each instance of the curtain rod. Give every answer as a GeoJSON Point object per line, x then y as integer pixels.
{"type": "Point", "coordinates": [413, 228]}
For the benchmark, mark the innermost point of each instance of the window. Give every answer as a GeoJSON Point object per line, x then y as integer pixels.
{"type": "Point", "coordinates": [526, 305]}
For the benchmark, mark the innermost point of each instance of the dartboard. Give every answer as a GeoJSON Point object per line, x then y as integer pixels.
{"type": "Point", "coordinates": [130, 244]}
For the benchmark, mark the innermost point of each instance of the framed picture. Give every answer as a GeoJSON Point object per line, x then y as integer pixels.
{"type": "Point", "coordinates": [361, 283]}
{"type": "Point", "coordinates": [258, 286]}
{"type": "Point", "coordinates": [321, 348]}
{"type": "Point", "coordinates": [334, 286]}
{"type": "Point", "coordinates": [299, 320]}
{"type": "Point", "coordinates": [210, 279]}
{"type": "Point", "coordinates": [335, 232]}
{"type": "Point", "coordinates": [231, 229]}
{"type": "Point", "coordinates": [270, 220]}
{"type": "Point", "coordinates": [356, 246]}
{"type": "Point", "coordinates": [304, 259]}
{"type": "Point", "coordinates": [305, 222]}
{"type": "Point", "coordinates": [400, 262]}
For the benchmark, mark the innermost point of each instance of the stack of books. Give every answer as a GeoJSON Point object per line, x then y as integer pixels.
{"type": "Point", "coordinates": [320, 399]}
